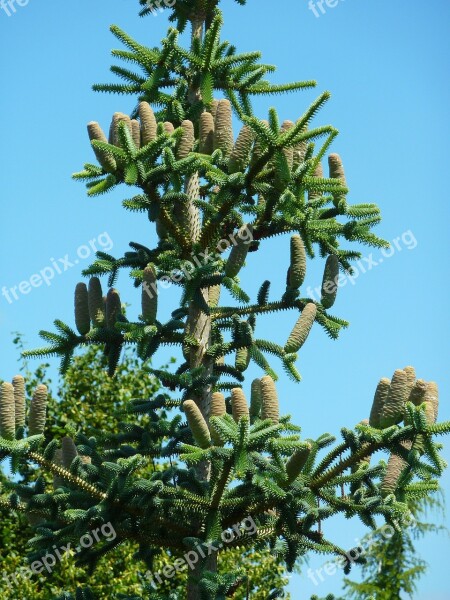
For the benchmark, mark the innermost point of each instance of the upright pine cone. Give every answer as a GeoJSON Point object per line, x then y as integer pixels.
{"type": "Point", "coordinates": [197, 424]}
{"type": "Point", "coordinates": [69, 451]}
{"type": "Point", "coordinates": [270, 405]}
{"type": "Point", "coordinates": [381, 394]}
{"type": "Point", "coordinates": [240, 155]}
{"type": "Point", "coordinates": [336, 168]}
{"type": "Point", "coordinates": [187, 140]}
{"type": "Point", "coordinates": [82, 319]}
{"type": "Point", "coordinates": [7, 411]}
{"type": "Point", "coordinates": [113, 308]}
{"type": "Point", "coordinates": [318, 172]}
{"type": "Point", "coordinates": [38, 411]}
{"type": "Point", "coordinates": [206, 133]}
{"type": "Point", "coordinates": [107, 161]}
{"type": "Point", "coordinates": [302, 328]}
{"type": "Point", "coordinates": [223, 133]}
{"type": "Point", "coordinates": [330, 281]}
{"type": "Point", "coordinates": [217, 409]}
{"type": "Point", "coordinates": [189, 217]}
{"type": "Point", "coordinates": [255, 399]}
{"type": "Point", "coordinates": [149, 294]}
{"type": "Point", "coordinates": [239, 251]}
{"type": "Point", "coordinates": [394, 407]}
{"type": "Point", "coordinates": [297, 461]}
{"type": "Point", "coordinates": [297, 270]}
{"type": "Point", "coordinates": [118, 117]}
{"type": "Point", "coordinates": [410, 378]}
{"type": "Point", "coordinates": [136, 133]}
{"type": "Point", "coordinates": [239, 404]}
{"type": "Point", "coordinates": [288, 152]}
{"type": "Point", "coordinates": [417, 394]}
{"type": "Point", "coordinates": [394, 469]}
{"type": "Point", "coordinates": [148, 123]}
{"type": "Point", "coordinates": [96, 302]}
{"type": "Point", "coordinates": [18, 383]}
{"type": "Point", "coordinates": [432, 396]}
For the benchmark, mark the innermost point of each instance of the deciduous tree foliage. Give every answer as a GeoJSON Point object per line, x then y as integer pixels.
{"type": "Point", "coordinates": [84, 399]}
{"type": "Point", "coordinates": [203, 189]}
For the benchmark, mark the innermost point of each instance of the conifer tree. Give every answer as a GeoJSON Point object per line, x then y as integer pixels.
{"type": "Point", "coordinates": [213, 200]}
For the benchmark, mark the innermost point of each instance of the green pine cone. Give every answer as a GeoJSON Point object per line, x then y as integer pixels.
{"type": "Point", "coordinates": [96, 302]}
{"type": "Point", "coordinates": [381, 394]}
{"type": "Point", "coordinates": [187, 140]}
{"type": "Point", "coordinates": [330, 281]}
{"type": "Point", "coordinates": [197, 424]}
{"type": "Point", "coordinates": [223, 132]}
{"type": "Point", "coordinates": [255, 399]}
{"type": "Point", "coordinates": [149, 294]}
{"type": "Point", "coordinates": [113, 308]}
{"type": "Point", "coordinates": [297, 461]}
{"type": "Point", "coordinates": [239, 404]}
{"type": "Point", "coordinates": [239, 251]}
{"type": "Point", "coordinates": [240, 155]}
{"type": "Point", "coordinates": [18, 383]}
{"type": "Point", "coordinates": [297, 269]}
{"type": "Point", "coordinates": [82, 319]}
{"type": "Point", "coordinates": [206, 133]}
{"type": "Point", "coordinates": [301, 329]}
{"type": "Point", "coordinates": [336, 168]}
{"type": "Point", "coordinates": [69, 451]}
{"type": "Point", "coordinates": [148, 123]}
{"type": "Point", "coordinates": [38, 411]}
{"type": "Point", "coordinates": [7, 411]}
{"type": "Point", "coordinates": [270, 408]}
{"type": "Point", "coordinates": [107, 161]}
{"type": "Point", "coordinates": [394, 407]}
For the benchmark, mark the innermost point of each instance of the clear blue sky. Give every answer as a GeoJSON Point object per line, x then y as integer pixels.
{"type": "Point", "coordinates": [385, 64]}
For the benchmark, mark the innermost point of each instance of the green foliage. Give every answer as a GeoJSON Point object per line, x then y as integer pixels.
{"type": "Point", "coordinates": [392, 566]}
{"type": "Point", "coordinates": [88, 397]}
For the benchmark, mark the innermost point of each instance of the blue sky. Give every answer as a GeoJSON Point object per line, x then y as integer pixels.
{"type": "Point", "coordinates": [385, 64]}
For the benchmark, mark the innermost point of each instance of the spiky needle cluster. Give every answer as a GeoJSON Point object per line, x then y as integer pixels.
{"type": "Point", "coordinates": [205, 191]}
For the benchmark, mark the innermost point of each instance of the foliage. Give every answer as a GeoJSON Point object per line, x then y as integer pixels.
{"type": "Point", "coordinates": [85, 395]}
